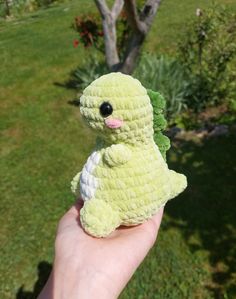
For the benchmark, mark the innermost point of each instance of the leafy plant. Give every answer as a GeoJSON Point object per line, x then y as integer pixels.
{"type": "Point", "coordinates": [89, 71]}
{"type": "Point", "coordinates": [44, 3]}
{"type": "Point", "coordinates": [90, 31]}
{"type": "Point", "coordinates": [167, 76]}
{"type": "Point", "coordinates": [206, 50]}
{"type": "Point", "coordinates": [10, 8]}
{"type": "Point", "coordinates": [5, 8]}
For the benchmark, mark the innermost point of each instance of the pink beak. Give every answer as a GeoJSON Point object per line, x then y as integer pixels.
{"type": "Point", "coordinates": [113, 123]}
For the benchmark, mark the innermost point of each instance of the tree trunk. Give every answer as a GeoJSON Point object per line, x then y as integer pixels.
{"type": "Point", "coordinates": [132, 53]}
{"type": "Point", "coordinates": [140, 24]}
{"type": "Point", "coordinates": [8, 13]}
{"type": "Point", "coordinates": [109, 29]}
{"type": "Point", "coordinates": [109, 17]}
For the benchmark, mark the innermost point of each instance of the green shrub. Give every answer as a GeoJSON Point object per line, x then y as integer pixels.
{"type": "Point", "coordinates": [167, 76]}
{"type": "Point", "coordinates": [89, 28]}
{"type": "Point", "coordinates": [5, 9]}
{"type": "Point", "coordinates": [17, 7]}
{"type": "Point", "coordinates": [88, 72]}
{"type": "Point", "coordinates": [206, 50]}
{"type": "Point", "coordinates": [22, 6]}
{"type": "Point", "coordinates": [44, 3]}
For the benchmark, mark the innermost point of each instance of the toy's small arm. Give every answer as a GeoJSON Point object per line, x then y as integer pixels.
{"type": "Point", "coordinates": [117, 154]}
{"type": "Point", "coordinates": [75, 184]}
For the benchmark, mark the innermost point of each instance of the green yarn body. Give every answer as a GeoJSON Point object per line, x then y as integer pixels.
{"type": "Point", "coordinates": [126, 179]}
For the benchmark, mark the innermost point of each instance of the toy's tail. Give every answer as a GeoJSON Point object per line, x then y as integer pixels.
{"type": "Point", "coordinates": [178, 183]}
{"type": "Point", "coordinates": [159, 121]}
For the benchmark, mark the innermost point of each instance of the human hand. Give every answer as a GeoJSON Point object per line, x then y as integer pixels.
{"type": "Point", "coordinates": [86, 267]}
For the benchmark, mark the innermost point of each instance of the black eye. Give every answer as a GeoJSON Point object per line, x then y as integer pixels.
{"type": "Point", "coordinates": [106, 109]}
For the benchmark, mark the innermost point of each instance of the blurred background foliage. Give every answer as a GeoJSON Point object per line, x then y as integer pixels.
{"type": "Point", "coordinates": [189, 56]}
{"type": "Point", "coordinates": [200, 75]}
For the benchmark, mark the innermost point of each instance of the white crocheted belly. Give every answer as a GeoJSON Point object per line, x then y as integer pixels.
{"type": "Point", "coordinates": [88, 183]}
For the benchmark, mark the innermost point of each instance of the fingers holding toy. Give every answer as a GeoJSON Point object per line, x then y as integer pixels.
{"type": "Point", "coordinates": [146, 231]}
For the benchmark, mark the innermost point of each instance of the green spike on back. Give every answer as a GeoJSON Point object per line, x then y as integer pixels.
{"type": "Point", "coordinates": [159, 121]}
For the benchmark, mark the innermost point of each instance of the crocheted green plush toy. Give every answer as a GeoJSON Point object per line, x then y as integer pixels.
{"type": "Point", "coordinates": [125, 180]}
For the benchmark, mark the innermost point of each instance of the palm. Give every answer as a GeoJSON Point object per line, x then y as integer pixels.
{"type": "Point", "coordinates": [114, 258]}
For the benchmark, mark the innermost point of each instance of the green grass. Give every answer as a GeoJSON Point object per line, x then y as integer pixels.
{"type": "Point", "coordinates": [44, 143]}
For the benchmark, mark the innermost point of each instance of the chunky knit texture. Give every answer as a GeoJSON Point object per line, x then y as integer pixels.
{"type": "Point", "coordinates": [125, 180]}
{"type": "Point", "coordinates": [159, 121]}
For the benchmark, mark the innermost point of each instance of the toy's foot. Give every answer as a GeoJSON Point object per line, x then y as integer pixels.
{"type": "Point", "coordinates": [98, 218]}
{"type": "Point", "coordinates": [179, 182]}
{"type": "Point", "coordinates": [75, 184]}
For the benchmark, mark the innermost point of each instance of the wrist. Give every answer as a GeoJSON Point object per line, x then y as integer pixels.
{"type": "Point", "coordinates": [76, 282]}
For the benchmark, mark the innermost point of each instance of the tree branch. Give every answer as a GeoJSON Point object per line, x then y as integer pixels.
{"type": "Point", "coordinates": [142, 22]}
{"type": "Point", "coordinates": [116, 8]}
{"type": "Point", "coordinates": [109, 29]}
{"type": "Point", "coordinates": [149, 11]}
{"type": "Point", "coordinates": [102, 7]}
{"type": "Point", "coordinates": [132, 14]}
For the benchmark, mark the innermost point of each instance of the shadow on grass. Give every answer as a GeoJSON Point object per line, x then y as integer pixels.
{"type": "Point", "coordinates": [74, 102]}
{"type": "Point", "coordinates": [69, 84]}
{"type": "Point", "coordinates": [44, 270]}
{"type": "Point", "coordinates": [83, 75]}
{"type": "Point", "coordinates": [206, 212]}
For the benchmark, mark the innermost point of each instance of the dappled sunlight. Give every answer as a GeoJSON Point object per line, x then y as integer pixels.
{"type": "Point", "coordinates": [205, 212]}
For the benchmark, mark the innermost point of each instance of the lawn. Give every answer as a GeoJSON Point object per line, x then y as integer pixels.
{"type": "Point", "coordinates": [44, 143]}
